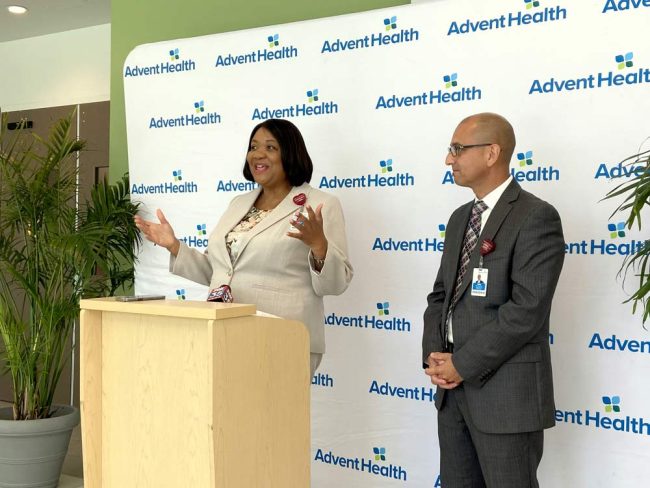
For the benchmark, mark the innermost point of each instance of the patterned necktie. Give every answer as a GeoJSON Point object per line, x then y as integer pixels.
{"type": "Point", "coordinates": [469, 243]}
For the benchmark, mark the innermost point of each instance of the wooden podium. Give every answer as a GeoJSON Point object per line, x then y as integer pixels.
{"type": "Point", "coordinates": [193, 394]}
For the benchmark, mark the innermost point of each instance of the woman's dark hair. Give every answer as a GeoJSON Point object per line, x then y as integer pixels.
{"type": "Point", "coordinates": [296, 162]}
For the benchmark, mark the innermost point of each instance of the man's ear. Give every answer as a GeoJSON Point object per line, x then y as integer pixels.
{"type": "Point", "coordinates": [494, 151]}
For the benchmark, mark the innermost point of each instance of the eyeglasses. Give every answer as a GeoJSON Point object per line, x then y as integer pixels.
{"type": "Point", "coordinates": [455, 149]}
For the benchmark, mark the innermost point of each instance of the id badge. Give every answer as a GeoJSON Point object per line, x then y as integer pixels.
{"type": "Point", "coordinates": [479, 282]}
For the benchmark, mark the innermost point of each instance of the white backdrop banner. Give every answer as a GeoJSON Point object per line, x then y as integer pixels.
{"type": "Point", "coordinates": [377, 96]}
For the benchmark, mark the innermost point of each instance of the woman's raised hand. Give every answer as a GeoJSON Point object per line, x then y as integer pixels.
{"type": "Point", "coordinates": [161, 234]}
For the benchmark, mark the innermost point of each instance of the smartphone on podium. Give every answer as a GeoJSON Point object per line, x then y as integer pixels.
{"type": "Point", "coordinates": [139, 298]}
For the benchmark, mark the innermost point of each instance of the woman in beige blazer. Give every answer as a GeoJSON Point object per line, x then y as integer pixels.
{"type": "Point", "coordinates": [282, 246]}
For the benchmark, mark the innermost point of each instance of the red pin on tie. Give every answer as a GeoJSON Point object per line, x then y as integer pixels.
{"type": "Point", "coordinates": [300, 199]}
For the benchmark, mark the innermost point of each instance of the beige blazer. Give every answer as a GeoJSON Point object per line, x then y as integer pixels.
{"type": "Point", "coordinates": [274, 271]}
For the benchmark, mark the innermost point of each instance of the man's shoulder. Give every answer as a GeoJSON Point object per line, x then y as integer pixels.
{"type": "Point", "coordinates": [533, 203]}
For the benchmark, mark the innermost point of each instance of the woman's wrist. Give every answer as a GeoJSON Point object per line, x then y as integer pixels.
{"type": "Point", "coordinates": [319, 252]}
{"type": "Point", "coordinates": [174, 248]}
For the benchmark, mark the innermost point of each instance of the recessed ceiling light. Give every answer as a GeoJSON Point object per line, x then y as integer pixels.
{"type": "Point", "coordinates": [16, 9]}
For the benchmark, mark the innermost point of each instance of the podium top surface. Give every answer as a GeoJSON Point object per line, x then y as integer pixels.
{"type": "Point", "coordinates": [171, 308]}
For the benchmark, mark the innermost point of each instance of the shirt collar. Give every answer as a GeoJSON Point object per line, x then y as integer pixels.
{"type": "Point", "coordinates": [492, 198]}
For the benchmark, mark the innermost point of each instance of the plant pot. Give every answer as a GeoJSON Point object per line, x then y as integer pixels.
{"type": "Point", "coordinates": [32, 451]}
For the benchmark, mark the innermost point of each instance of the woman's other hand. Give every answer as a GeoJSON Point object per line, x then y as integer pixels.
{"type": "Point", "coordinates": [161, 234]}
{"type": "Point", "coordinates": [310, 231]}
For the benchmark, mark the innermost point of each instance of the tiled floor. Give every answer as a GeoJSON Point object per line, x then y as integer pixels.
{"type": "Point", "coordinates": [73, 464]}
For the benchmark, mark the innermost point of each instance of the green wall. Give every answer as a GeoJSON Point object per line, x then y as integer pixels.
{"type": "Point", "coordinates": [137, 22]}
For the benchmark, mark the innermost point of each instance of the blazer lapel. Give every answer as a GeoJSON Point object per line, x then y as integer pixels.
{"type": "Point", "coordinates": [231, 218]}
{"type": "Point", "coordinates": [497, 216]}
{"type": "Point", "coordinates": [500, 211]}
{"type": "Point", "coordinates": [285, 208]}
{"type": "Point", "coordinates": [455, 244]}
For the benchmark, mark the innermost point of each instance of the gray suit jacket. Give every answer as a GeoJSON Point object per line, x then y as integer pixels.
{"type": "Point", "coordinates": [501, 341]}
{"type": "Point", "coordinates": [272, 270]}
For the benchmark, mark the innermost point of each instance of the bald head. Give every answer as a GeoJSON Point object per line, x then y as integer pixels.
{"type": "Point", "coordinates": [494, 128]}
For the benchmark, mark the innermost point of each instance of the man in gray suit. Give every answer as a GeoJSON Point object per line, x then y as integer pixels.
{"type": "Point", "coordinates": [488, 350]}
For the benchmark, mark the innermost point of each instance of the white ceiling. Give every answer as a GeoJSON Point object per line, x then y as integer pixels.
{"type": "Point", "coordinates": [50, 16]}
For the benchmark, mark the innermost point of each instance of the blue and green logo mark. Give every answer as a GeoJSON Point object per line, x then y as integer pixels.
{"type": "Point", "coordinates": [443, 230]}
{"type": "Point", "coordinates": [525, 158]}
{"type": "Point", "coordinates": [612, 404]}
{"type": "Point", "coordinates": [198, 107]}
{"type": "Point", "coordinates": [380, 453]}
{"type": "Point", "coordinates": [180, 294]}
{"type": "Point", "coordinates": [312, 95]}
{"type": "Point", "coordinates": [177, 175]}
{"type": "Point", "coordinates": [451, 80]}
{"type": "Point", "coordinates": [173, 54]}
{"type": "Point", "coordinates": [200, 229]}
{"type": "Point", "coordinates": [616, 230]}
{"type": "Point", "coordinates": [531, 3]}
{"type": "Point", "coordinates": [274, 40]}
{"type": "Point", "coordinates": [382, 308]}
{"type": "Point", "coordinates": [391, 23]}
{"type": "Point", "coordinates": [624, 60]}
{"type": "Point", "coordinates": [386, 165]}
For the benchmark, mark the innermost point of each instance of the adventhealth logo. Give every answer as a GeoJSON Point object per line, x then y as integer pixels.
{"type": "Point", "coordinates": [372, 322]}
{"type": "Point", "coordinates": [599, 420]}
{"type": "Point", "coordinates": [175, 185]}
{"type": "Point", "coordinates": [612, 404]}
{"type": "Point", "coordinates": [198, 118]}
{"type": "Point", "coordinates": [529, 172]}
{"type": "Point", "coordinates": [378, 180]}
{"type": "Point", "coordinates": [391, 23]}
{"type": "Point", "coordinates": [596, 80]}
{"type": "Point", "coordinates": [180, 294]}
{"type": "Point", "coordinates": [624, 60]}
{"type": "Point", "coordinates": [322, 379]}
{"type": "Point", "coordinates": [198, 240]}
{"type": "Point", "coordinates": [510, 19]}
{"type": "Point", "coordinates": [422, 244]}
{"type": "Point", "coordinates": [450, 80]}
{"type": "Point", "coordinates": [621, 5]}
{"type": "Point", "coordinates": [432, 96]}
{"type": "Point", "coordinates": [174, 65]}
{"type": "Point", "coordinates": [373, 465]}
{"type": "Point", "coordinates": [615, 231]}
{"type": "Point", "coordinates": [380, 453]}
{"type": "Point", "coordinates": [443, 230]}
{"type": "Point", "coordinates": [617, 344]}
{"type": "Point", "coordinates": [620, 170]}
{"type": "Point", "coordinates": [373, 40]}
{"type": "Point", "coordinates": [233, 186]}
{"type": "Point", "coordinates": [417, 393]}
{"type": "Point", "coordinates": [273, 52]}
{"type": "Point", "coordinates": [525, 159]}
{"type": "Point", "coordinates": [312, 95]}
{"type": "Point", "coordinates": [298, 110]}
{"type": "Point", "coordinates": [524, 170]}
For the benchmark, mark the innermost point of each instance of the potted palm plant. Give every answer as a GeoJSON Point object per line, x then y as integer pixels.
{"type": "Point", "coordinates": [636, 193]}
{"type": "Point", "coordinates": [52, 253]}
